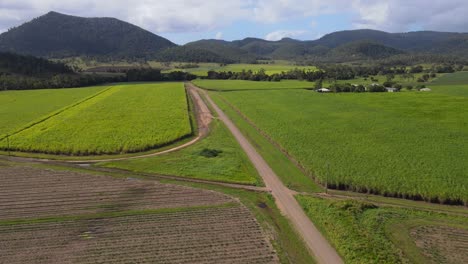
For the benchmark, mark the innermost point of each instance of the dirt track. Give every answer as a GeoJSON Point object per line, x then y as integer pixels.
{"type": "Point", "coordinates": [284, 197]}
{"type": "Point", "coordinates": [202, 113]}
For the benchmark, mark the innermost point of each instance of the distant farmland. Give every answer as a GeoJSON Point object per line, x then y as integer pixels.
{"type": "Point", "coordinates": [52, 216]}
{"type": "Point", "coordinates": [409, 144]}
{"type": "Point", "coordinates": [118, 119]}
{"type": "Point", "coordinates": [239, 85]}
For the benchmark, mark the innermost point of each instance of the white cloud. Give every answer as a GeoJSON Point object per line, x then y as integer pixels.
{"type": "Point", "coordinates": [403, 15]}
{"type": "Point", "coordinates": [156, 16]}
{"type": "Point", "coordinates": [219, 35]}
{"type": "Point", "coordinates": [212, 15]}
{"type": "Point", "coordinates": [280, 34]}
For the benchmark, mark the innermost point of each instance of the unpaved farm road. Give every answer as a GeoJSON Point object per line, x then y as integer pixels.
{"type": "Point", "coordinates": [318, 245]}
{"type": "Point", "coordinates": [202, 113]}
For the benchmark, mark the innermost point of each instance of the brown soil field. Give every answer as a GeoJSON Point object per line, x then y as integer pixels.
{"type": "Point", "coordinates": [49, 216]}
{"type": "Point", "coordinates": [442, 244]}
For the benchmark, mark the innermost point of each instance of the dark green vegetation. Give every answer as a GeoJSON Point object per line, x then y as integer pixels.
{"type": "Point", "coordinates": [119, 119]}
{"type": "Point", "coordinates": [12, 64]}
{"type": "Point", "coordinates": [230, 164]}
{"type": "Point", "coordinates": [57, 35]}
{"type": "Point", "coordinates": [19, 72]}
{"type": "Point", "coordinates": [363, 232]}
{"type": "Point", "coordinates": [410, 145]}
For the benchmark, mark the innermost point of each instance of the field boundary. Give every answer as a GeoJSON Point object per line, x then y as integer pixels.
{"type": "Point", "coordinates": [56, 113]}
{"type": "Point", "coordinates": [274, 143]}
{"type": "Point", "coordinates": [203, 117]}
{"type": "Point", "coordinates": [341, 186]}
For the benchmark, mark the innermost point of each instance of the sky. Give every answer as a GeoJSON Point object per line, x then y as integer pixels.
{"type": "Point", "coordinates": [182, 21]}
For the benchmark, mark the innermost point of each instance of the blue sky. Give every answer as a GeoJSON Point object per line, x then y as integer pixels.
{"type": "Point", "coordinates": [183, 21]}
{"type": "Point", "coordinates": [303, 28]}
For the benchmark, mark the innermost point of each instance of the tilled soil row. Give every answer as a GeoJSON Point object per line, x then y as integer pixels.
{"type": "Point", "coordinates": [210, 235]}
{"type": "Point", "coordinates": [50, 193]}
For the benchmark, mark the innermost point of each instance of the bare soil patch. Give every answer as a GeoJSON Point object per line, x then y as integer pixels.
{"type": "Point", "coordinates": [49, 216]}
{"type": "Point", "coordinates": [34, 193]}
{"type": "Point", "coordinates": [442, 244]}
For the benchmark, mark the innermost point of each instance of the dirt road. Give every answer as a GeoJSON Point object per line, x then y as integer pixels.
{"type": "Point", "coordinates": [284, 197]}
{"type": "Point", "coordinates": [202, 113]}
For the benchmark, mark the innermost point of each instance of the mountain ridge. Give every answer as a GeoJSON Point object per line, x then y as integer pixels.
{"type": "Point", "coordinates": [55, 35]}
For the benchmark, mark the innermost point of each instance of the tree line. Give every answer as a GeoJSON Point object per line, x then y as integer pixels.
{"type": "Point", "coordinates": [23, 82]}
{"type": "Point", "coordinates": [335, 72]}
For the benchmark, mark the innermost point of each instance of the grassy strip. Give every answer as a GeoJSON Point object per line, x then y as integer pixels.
{"type": "Point", "coordinates": [289, 173]}
{"type": "Point", "coordinates": [365, 233]}
{"type": "Point", "coordinates": [398, 232]}
{"type": "Point", "coordinates": [102, 215]}
{"type": "Point", "coordinates": [228, 163]}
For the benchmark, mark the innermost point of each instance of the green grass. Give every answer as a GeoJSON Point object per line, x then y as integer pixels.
{"type": "Point", "coordinates": [203, 68]}
{"type": "Point", "coordinates": [288, 172]}
{"type": "Point", "coordinates": [234, 85]}
{"type": "Point", "coordinates": [404, 144]}
{"type": "Point", "coordinates": [451, 84]}
{"type": "Point", "coordinates": [19, 108]}
{"type": "Point", "coordinates": [452, 78]}
{"type": "Point", "coordinates": [364, 233]}
{"type": "Point", "coordinates": [123, 119]}
{"type": "Point", "coordinates": [231, 165]}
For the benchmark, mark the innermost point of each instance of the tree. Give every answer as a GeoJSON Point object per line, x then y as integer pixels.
{"type": "Point", "coordinates": [318, 84]}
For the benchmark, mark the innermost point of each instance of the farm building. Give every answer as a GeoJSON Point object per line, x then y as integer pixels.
{"type": "Point", "coordinates": [391, 90]}
{"type": "Point", "coordinates": [425, 90]}
{"type": "Point", "coordinates": [323, 90]}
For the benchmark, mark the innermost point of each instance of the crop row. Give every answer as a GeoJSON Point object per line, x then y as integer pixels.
{"type": "Point", "coordinates": [405, 145]}
{"type": "Point", "coordinates": [124, 119]}
{"type": "Point", "coordinates": [31, 192]}
{"type": "Point", "coordinates": [216, 235]}
{"type": "Point", "coordinates": [20, 108]}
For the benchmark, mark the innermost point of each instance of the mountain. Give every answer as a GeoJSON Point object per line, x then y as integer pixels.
{"type": "Point", "coordinates": [410, 41]}
{"type": "Point", "coordinates": [363, 50]}
{"type": "Point", "coordinates": [228, 51]}
{"type": "Point", "coordinates": [57, 35]}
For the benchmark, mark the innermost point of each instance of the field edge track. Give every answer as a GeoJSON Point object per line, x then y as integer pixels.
{"type": "Point", "coordinates": [284, 198]}
{"type": "Point", "coordinates": [203, 119]}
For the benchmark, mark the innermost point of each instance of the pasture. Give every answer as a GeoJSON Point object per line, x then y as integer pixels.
{"type": "Point", "coordinates": [51, 218]}
{"type": "Point", "coordinates": [121, 119]}
{"type": "Point", "coordinates": [227, 162]}
{"type": "Point", "coordinates": [409, 144]}
{"type": "Point", "coordinates": [365, 233]}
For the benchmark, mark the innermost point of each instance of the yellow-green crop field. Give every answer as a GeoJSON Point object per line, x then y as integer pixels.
{"type": "Point", "coordinates": [408, 144]}
{"type": "Point", "coordinates": [203, 68]}
{"type": "Point", "coordinates": [116, 119]}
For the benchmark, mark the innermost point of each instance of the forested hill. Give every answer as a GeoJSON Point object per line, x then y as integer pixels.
{"type": "Point", "coordinates": [13, 64]}
{"type": "Point", "coordinates": [58, 35]}
{"type": "Point", "coordinates": [55, 35]}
